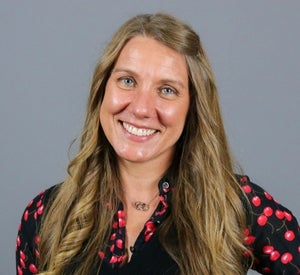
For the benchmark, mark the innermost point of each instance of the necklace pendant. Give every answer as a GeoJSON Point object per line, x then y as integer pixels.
{"type": "Point", "coordinates": [141, 206]}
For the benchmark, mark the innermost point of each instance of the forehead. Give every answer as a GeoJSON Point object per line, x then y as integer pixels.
{"type": "Point", "coordinates": [143, 54]}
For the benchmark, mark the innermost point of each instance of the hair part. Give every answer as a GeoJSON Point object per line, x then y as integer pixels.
{"type": "Point", "coordinates": [207, 213]}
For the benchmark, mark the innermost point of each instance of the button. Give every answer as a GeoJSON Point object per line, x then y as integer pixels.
{"type": "Point", "coordinates": [165, 185]}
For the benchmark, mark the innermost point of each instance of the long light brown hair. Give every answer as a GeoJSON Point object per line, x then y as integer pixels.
{"type": "Point", "coordinates": [207, 213]}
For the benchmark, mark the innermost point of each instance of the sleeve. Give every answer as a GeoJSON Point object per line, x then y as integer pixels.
{"type": "Point", "coordinates": [273, 233]}
{"type": "Point", "coordinates": [27, 242]}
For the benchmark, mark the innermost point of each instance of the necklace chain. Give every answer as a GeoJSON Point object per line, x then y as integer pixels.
{"type": "Point", "coordinates": [143, 206]}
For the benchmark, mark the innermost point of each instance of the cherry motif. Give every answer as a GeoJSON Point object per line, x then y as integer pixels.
{"type": "Point", "coordinates": [37, 239]}
{"type": "Point", "coordinates": [279, 214]}
{"type": "Point", "coordinates": [243, 179]}
{"type": "Point", "coordinates": [268, 249]}
{"type": "Point", "coordinates": [113, 260]}
{"type": "Point", "coordinates": [289, 235]}
{"type": "Point", "coordinates": [112, 248]}
{"type": "Point", "coordinates": [35, 215]}
{"type": "Point", "coordinates": [249, 240]}
{"type": "Point", "coordinates": [33, 269]}
{"type": "Point", "coordinates": [299, 248]}
{"type": "Point", "coordinates": [22, 263]}
{"type": "Point", "coordinates": [25, 217]}
{"type": "Point", "coordinates": [268, 211]}
{"type": "Point", "coordinates": [256, 201]}
{"type": "Point", "coordinates": [286, 258]}
{"type": "Point", "coordinates": [113, 236]}
{"type": "Point", "coordinates": [288, 216]}
{"type": "Point", "coordinates": [266, 270]}
{"type": "Point", "coordinates": [274, 255]}
{"type": "Point", "coordinates": [18, 241]}
{"type": "Point", "coordinates": [39, 203]}
{"type": "Point", "coordinates": [22, 255]}
{"type": "Point", "coordinates": [20, 272]}
{"type": "Point", "coordinates": [101, 255]}
{"type": "Point", "coordinates": [40, 210]}
{"type": "Point", "coordinates": [247, 188]}
{"type": "Point", "coordinates": [115, 225]}
{"type": "Point", "coordinates": [121, 222]}
{"type": "Point", "coordinates": [119, 243]}
{"type": "Point", "coordinates": [20, 227]}
{"type": "Point", "coordinates": [30, 203]}
{"type": "Point", "coordinates": [268, 196]}
{"type": "Point", "coordinates": [262, 220]}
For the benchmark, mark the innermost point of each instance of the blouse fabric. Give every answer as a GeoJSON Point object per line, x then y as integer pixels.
{"type": "Point", "coordinates": [272, 235]}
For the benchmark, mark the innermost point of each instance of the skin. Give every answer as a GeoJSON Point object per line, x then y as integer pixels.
{"type": "Point", "coordinates": [143, 114]}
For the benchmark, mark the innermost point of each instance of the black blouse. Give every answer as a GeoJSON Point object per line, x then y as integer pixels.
{"type": "Point", "coordinates": [272, 234]}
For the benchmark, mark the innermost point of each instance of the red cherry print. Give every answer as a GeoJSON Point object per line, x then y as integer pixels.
{"type": "Point", "coordinates": [35, 215]}
{"type": "Point", "coordinates": [121, 214]}
{"type": "Point", "coordinates": [289, 235]}
{"type": "Point", "coordinates": [274, 255]}
{"type": "Point", "coordinates": [288, 216]}
{"type": "Point", "coordinates": [262, 220]}
{"type": "Point", "coordinates": [119, 243]}
{"type": "Point", "coordinates": [279, 214]}
{"type": "Point", "coordinates": [37, 239]}
{"type": "Point", "coordinates": [286, 258]}
{"type": "Point", "coordinates": [22, 255]}
{"type": "Point", "coordinates": [268, 196]}
{"type": "Point", "coordinates": [249, 240]}
{"type": "Point", "coordinates": [41, 193]}
{"type": "Point", "coordinates": [256, 201]}
{"type": "Point", "coordinates": [247, 188]}
{"type": "Point", "coordinates": [101, 255]}
{"type": "Point", "coordinates": [40, 210]}
{"type": "Point", "coordinates": [268, 211]}
{"type": "Point", "coordinates": [266, 270]}
{"type": "Point", "coordinates": [33, 269]}
{"type": "Point", "coordinates": [18, 241]}
{"type": "Point", "coordinates": [20, 227]}
{"type": "Point", "coordinates": [243, 179]}
{"type": "Point", "coordinates": [115, 225]}
{"type": "Point", "coordinates": [25, 217]}
{"type": "Point", "coordinates": [30, 203]}
{"type": "Point", "coordinates": [20, 272]}
{"type": "Point", "coordinates": [113, 259]}
{"type": "Point", "coordinates": [113, 236]}
{"type": "Point", "coordinates": [246, 231]}
{"type": "Point", "coordinates": [112, 248]}
{"type": "Point", "coordinates": [299, 248]}
{"type": "Point", "coordinates": [268, 249]}
{"type": "Point", "coordinates": [22, 263]}
{"type": "Point", "coordinates": [39, 203]}
{"type": "Point", "coordinates": [122, 222]}
{"type": "Point", "coordinates": [247, 253]}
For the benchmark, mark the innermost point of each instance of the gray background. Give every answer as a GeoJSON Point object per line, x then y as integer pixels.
{"type": "Point", "coordinates": [48, 50]}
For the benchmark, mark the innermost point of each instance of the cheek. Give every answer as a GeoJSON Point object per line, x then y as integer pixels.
{"type": "Point", "coordinates": [174, 115]}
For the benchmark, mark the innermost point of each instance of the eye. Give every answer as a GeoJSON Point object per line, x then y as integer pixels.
{"type": "Point", "coordinates": [168, 91]}
{"type": "Point", "coordinates": [127, 81]}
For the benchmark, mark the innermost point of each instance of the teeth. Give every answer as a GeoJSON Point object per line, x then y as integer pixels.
{"type": "Point", "coordinates": [138, 131]}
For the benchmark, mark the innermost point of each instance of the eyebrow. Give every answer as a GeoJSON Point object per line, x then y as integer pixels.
{"type": "Point", "coordinates": [165, 80]}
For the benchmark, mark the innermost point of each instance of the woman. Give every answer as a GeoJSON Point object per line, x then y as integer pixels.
{"type": "Point", "coordinates": [152, 189]}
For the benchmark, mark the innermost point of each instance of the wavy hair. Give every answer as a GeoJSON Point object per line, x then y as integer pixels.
{"type": "Point", "coordinates": [207, 211]}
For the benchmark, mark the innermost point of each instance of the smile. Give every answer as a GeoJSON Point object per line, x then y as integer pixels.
{"type": "Point", "coordinates": [141, 132]}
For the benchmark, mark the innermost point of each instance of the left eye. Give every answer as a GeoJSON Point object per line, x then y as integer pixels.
{"type": "Point", "coordinates": [127, 81]}
{"type": "Point", "coordinates": [167, 91]}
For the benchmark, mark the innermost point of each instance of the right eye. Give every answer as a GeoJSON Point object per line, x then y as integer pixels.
{"type": "Point", "coordinates": [127, 81]}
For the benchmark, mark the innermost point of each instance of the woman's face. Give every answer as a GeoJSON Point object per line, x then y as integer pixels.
{"type": "Point", "coordinates": [146, 101]}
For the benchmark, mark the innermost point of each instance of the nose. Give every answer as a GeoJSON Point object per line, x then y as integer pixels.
{"type": "Point", "coordinates": [143, 104]}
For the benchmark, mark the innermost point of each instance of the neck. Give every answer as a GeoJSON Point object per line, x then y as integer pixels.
{"type": "Point", "coordinates": [139, 181]}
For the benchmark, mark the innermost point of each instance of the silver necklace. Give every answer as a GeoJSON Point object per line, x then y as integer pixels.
{"type": "Point", "coordinates": [143, 206]}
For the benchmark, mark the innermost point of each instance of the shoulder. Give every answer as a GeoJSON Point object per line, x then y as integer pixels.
{"type": "Point", "coordinates": [272, 234]}
{"type": "Point", "coordinates": [27, 238]}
